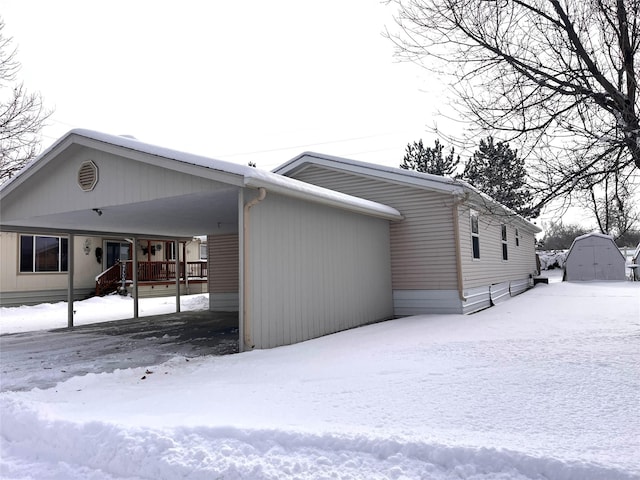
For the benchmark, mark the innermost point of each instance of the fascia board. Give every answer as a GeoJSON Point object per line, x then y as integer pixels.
{"type": "Point", "coordinates": [311, 193]}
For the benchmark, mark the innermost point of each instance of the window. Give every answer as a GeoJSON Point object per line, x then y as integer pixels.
{"type": "Point", "coordinates": [203, 251]}
{"type": "Point", "coordinates": [517, 238]}
{"type": "Point", "coordinates": [505, 255]}
{"type": "Point", "coordinates": [43, 254]}
{"type": "Point", "coordinates": [475, 235]}
{"type": "Point", "coordinates": [171, 251]}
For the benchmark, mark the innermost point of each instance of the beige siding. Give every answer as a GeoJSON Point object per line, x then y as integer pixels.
{"type": "Point", "coordinates": [422, 245]}
{"type": "Point", "coordinates": [491, 268]}
{"type": "Point", "coordinates": [18, 288]}
{"type": "Point", "coordinates": [11, 280]}
{"type": "Point", "coordinates": [223, 267]}
{"type": "Point", "coordinates": [314, 270]}
{"type": "Point", "coordinates": [223, 263]}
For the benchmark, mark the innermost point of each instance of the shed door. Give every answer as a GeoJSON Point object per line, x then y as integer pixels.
{"type": "Point", "coordinates": [596, 263]}
{"type": "Point", "coordinates": [586, 262]}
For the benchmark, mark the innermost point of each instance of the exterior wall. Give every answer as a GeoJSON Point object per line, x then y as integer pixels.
{"type": "Point", "coordinates": [224, 272]}
{"type": "Point", "coordinates": [490, 268]}
{"type": "Point", "coordinates": [312, 271]}
{"type": "Point", "coordinates": [423, 259]}
{"type": "Point", "coordinates": [121, 182]}
{"type": "Point", "coordinates": [192, 250]}
{"type": "Point", "coordinates": [422, 245]}
{"type": "Point", "coordinates": [30, 288]}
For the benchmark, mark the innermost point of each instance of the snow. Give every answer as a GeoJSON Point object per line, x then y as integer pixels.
{"type": "Point", "coordinates": [47, 316]}
{"type": "Point", "coordinates": [543, 386]}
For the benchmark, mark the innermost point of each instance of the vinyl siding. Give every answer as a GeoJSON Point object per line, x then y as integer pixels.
{"type": "Point", "coordinates": [422, 245]}
{"type": "Point", "coordinates": [85, 266]}
{"type": "Point", "coordinates": [490, 268]}
{"type": "Point", "coordinates": [223, 267]}
{"type": "Point", "coordinates": [120, 182]}
{"type": "Point", "coordinates": [314, 270]}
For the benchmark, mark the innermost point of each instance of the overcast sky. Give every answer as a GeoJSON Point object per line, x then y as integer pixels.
{"type": "Point", "coordinates": [242, 81]}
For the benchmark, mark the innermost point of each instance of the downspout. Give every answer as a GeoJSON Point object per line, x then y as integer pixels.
{"type": "Point", "coordinates": [456, 239]}
{"type": "Point", "coordinates": [246, 307]}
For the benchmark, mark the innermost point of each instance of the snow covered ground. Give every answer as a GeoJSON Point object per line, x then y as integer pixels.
{"type": "Point", "coordinates": [543, 386]}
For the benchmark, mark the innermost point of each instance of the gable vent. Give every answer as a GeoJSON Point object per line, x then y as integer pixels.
{"type": "Point", "coordinates": [88, 176]}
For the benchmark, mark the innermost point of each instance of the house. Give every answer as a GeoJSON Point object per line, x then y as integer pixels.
{"type": "Point", "coordinates": [296, 261]}
{"type": "Point", "coordinates": [455, 251]}
{"type": "Point", "coordinates": [594, 256]}
{"type": "Point", "coordinates": [321, 244]}
{"type": "Point", "coordinates": [35, 266]}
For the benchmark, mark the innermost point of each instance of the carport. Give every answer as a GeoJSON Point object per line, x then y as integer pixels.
{"type": "Point", "coordinates": [310, 261]}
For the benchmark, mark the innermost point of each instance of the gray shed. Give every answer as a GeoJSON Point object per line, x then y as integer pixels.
{"type": "Point", "coordinates": [594, 257]}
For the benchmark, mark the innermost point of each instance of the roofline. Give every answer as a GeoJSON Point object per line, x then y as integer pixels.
{"type": "Point", "coordinates": [238, 175]}
{"type": "Point", "coordinates": [421, 180]}
{"type": "Point", "coordinates": [323, 196]}
{"type": "Point", "coordinates": [597, 235]}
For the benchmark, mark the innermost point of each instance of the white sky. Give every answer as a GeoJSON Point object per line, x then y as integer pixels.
{"type": "Point", "coordinates": [238, 81]}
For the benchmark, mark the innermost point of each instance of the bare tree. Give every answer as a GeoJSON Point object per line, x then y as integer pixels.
{"type": "Point", "coordinates": [556, 77]}
{"type": "Point", "coordinates": [22, 114]}
{"type": "Point", "coordinates": [611, 205]}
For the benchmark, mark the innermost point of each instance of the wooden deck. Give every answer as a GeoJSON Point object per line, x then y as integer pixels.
{"type": "Point", "coordinates": [149, 273]}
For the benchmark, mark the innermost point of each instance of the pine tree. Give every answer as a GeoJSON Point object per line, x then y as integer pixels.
{"type": "Point", "coordinates": [430, 160]}
{"type": "Point", "coordinates": [496, 170]}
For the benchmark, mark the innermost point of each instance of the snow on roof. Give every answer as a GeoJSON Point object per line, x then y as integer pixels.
{"type": "Point", "coordinates": [289, 186]}
{"type": "Point", "coordinates": [435, 181]}
{"type": "Point", "coordinates": [253, 177]}
{"type": "Point", "coordinates": [593, 234]}
{"type": "Point", "coordinates": [400, 175]}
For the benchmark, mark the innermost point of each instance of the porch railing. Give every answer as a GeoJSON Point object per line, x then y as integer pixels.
{"type": "Point", "coordinates": [109, 280]}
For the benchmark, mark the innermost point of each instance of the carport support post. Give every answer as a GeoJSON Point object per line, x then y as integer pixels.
{"type": "Point", "coordinates": [70, 262]}
{"type": "Point", "coordinates": [176, 246]}
{"type": "Point", "coordinates": [134, 275]}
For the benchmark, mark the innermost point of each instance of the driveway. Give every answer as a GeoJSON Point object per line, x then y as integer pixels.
{"type": "Point", "coordinates": [42, 359]}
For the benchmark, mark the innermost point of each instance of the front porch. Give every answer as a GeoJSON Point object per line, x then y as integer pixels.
{"type": "Point", "coordinates": [155, 278]}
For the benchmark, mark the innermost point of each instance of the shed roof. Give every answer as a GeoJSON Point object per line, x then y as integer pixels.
{"type": "Point", "coordinates": [401, 176]}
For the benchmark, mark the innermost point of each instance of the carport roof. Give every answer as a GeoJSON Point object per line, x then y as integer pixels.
{"type": "Point", "coordinates": [226, 173]}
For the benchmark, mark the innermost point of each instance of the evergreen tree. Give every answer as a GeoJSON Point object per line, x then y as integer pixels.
{"type": "Point", "coordinates": [430, 160]}
{"type": "Point", "coordinates": [496, 170]}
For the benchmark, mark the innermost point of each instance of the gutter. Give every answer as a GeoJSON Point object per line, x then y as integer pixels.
{"type": "Point", "coordinates": [246, 305]}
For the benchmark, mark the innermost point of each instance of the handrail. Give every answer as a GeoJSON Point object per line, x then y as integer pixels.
{"type": "Point", "coordinates": [108, 280]}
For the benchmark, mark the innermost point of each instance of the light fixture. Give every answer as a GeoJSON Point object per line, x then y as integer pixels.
{"type": "Point", "coordinates": [98, 211]}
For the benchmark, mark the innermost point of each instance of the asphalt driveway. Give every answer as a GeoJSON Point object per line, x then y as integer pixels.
{"type": "Point", "coordinates": [42, 359]}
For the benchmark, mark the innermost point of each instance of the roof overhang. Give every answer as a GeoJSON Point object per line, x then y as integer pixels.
{"type": "Point", "coordinates": [436, 183]}
{"type": "Point", "coordinates": [212, 208]}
